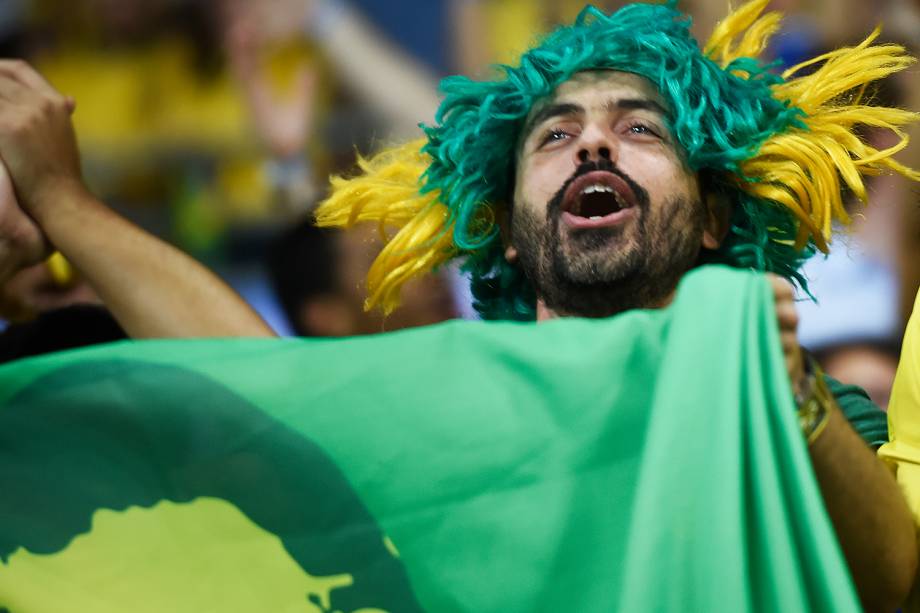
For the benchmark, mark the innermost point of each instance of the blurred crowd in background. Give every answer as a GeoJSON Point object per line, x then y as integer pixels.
{"type": "Point", "coordinates": [216, 124]}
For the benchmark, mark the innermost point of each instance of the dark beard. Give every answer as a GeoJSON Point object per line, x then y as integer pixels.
{"type": "Point", "coordinates": [605, 271]}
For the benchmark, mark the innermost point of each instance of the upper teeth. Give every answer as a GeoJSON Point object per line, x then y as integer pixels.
{"type": "Point", "coordinates": [597, 187]}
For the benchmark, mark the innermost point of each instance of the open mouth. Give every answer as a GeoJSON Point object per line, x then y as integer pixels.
{"type": "Point", "coordinates": [598, 199]}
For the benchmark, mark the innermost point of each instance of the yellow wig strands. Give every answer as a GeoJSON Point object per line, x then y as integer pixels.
{"type": "Point", "coordinates": [748, 23]}
{"type": "Point", "coordinates": [388, 193]}
{"type": "Point", "coordinates": [802, 169]}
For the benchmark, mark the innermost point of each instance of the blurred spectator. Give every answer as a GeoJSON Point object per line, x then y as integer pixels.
{"type": "Point", "coordinates": [398, 88]}
{"type": "Point", "coordinates": [488, 32]}
{"type": "Point", "coordinates": [869, 364]}
{"type": "Point", "coordinates": [902, 20]}
{"type": "Point", "coordinates": [318, 275]}
{"type": "Point", "coordinates": [283, 120]}
{"type": "Point", "coordinates": [163, 128]}
{"type": "Point", "coordinates": [855, 326]}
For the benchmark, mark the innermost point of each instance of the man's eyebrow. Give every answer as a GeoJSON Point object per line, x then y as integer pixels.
{"type": "Point", "coordinates": [562, 109]}
{"type": "Point", "coordinates": [642, 104]}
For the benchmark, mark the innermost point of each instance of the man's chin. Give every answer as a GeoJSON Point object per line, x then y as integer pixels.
{"type": "Point", "coordinates": [586, 271]}
{"type": "Point", "coordinates": [601, 262]}
{"type": "Point", "coordinates": [595, 239]}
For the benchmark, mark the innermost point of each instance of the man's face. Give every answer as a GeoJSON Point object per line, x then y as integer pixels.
{"type": "Point", "coordinates": [606, 215]}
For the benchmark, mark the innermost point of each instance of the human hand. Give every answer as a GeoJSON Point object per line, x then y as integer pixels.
{"type": "Point", "coordinates": [37, 141]}
{"type": "Point", "coordinates": [22, 243]}
{"type": "Point", "coordinates": [788, 320]}
{"type": "Point", "coordinates": [35, 290]}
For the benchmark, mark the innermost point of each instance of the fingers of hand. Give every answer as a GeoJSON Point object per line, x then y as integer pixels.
{"type": "Point", "coordinates": [24, 240]}
{"type": "Point", "coordinates": [26, 90]}
{"type": "Point", "coordinates": [22, 106]}
{"type": "Point", "coordinates": [787, 317]}
{"type": "Point", "coordinates": [782, 289]}
{"type": "Point", "coordinates": [784, 299]}
{"type": "Point", "coordinates": [788, 320]}
{"type": "Point", "coordinates": [792, 351]}
{"type": "Point", "coordinates": [27, 76]}
{"type": "Point", "coordinates": [12, 91]}
{"type": "Point", "coordinates": [37, 142]}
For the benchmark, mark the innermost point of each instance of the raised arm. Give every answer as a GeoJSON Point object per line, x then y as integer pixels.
{"type": "Point", "coordinates": [870, 515]}
{"type": "Point", "coordinates": [153, 289]}
{"type": "Point", "coordinates": [392, 82]}
{"type": "Point", "coordinates": [395, 83]}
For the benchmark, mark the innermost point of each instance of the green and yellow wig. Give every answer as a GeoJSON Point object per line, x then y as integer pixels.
{"type": "Point", "coordinates": [778, 147]}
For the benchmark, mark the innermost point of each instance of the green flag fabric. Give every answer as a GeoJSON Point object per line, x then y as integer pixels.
{"type": "Point", "coordinates": [648, 462]}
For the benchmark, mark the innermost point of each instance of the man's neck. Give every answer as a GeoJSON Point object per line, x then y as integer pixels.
{"type": "Point", "coordinates": [545, 313]}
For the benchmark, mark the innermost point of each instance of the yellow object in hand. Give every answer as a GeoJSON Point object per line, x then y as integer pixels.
{"type": "Point", "coordinates": [61, 270]}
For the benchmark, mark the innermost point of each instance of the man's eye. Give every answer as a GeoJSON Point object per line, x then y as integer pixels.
{"type": "Point", "coordinates": [641, 128]}
{"type": "Point", "coordinates": [554, 135]}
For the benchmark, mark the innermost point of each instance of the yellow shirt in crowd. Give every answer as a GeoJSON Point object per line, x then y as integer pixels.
{"type": "Point", "coordinates": [903, 450]}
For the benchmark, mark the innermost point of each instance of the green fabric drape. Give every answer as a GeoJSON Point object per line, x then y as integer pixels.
{"type": "Point", "coordinates": [647, 462]}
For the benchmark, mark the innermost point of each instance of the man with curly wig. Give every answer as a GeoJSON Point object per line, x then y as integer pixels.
{"type": "Point", "coordinates": [617, 156]}
{"type": "Point", "coordinates": [585, 181]}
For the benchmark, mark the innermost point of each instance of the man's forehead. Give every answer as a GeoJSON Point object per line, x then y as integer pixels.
{"type": "Point", "coordinates": [599, 80]}
{"type": "Point", "coordinates": [603, 84]}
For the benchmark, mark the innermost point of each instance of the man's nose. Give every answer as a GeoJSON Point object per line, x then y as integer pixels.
{"type": "Point", "coordinates": [589, 155]}
{"type": "Point", "coordinates": [596, 144]}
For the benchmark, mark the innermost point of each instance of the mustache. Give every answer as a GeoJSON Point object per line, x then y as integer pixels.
{"type": "Point", "coordinates": [554, 208]}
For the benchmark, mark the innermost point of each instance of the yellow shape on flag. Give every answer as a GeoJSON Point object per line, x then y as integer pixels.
{"type": "Point", "coordinates": [205, 555]}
